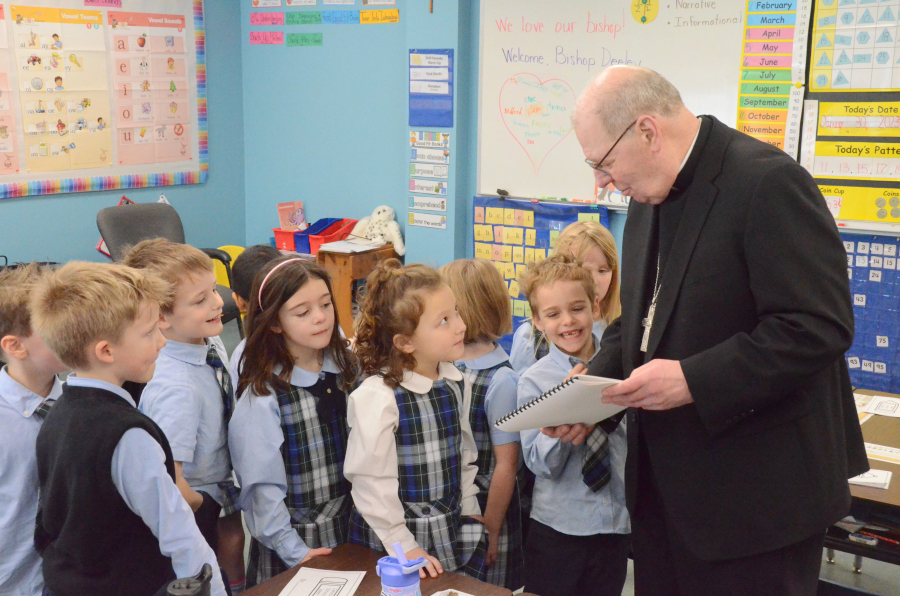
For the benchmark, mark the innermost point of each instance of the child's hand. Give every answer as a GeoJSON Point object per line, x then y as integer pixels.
{"type": "Point", "coordinates": [579, 369]}
{"type": "Point", "coordinates": [434, 566]}
{"type": "Point", "coordinates": [316, 552]}
{"type": "Point", "coordinates": [493, 548]}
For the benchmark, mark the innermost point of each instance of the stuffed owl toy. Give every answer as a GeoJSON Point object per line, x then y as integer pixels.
{"type": "Point", "coordinates": [381, 225]}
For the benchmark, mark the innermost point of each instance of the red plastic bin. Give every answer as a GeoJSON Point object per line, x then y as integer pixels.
{"type": "Point", "coordinates": [284, 239]}
{"type": "Point", "coordinates": [333, 233]}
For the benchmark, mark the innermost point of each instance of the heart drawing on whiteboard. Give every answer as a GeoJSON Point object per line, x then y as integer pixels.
{"type": "Point", "coordinates": [538, 114]}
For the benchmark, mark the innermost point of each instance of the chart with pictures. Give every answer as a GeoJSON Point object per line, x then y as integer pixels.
{"type": "Point", "coordinates": [96, 99]}
{"type": "Point", "coordinates": [855, 46]}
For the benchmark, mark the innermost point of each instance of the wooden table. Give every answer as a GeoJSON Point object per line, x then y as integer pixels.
{"type": "Point", "coordinates": [351, 557]}
{"type": "Point", "coordinates": [344, 269]}
{"type": "Point", "coordinates": [879, 430]}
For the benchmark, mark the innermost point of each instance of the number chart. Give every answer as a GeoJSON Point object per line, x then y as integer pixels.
{"type": "Point", "coordinates": [874, 358]}
{"type": "Point", "coordinates": [97, 99]}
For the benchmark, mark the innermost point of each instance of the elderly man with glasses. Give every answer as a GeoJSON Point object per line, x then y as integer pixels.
{"type": "Point", "coordinates": [736, 314]}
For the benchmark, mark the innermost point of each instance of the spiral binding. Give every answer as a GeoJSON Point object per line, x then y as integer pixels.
{"type": "Point", "coordinates": [535, 401]}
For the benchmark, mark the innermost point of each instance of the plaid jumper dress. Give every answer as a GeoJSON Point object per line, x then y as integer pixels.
{"type": "Point", "coordinates": [318, 496]}
{"type": "Point", "coordinates": [508, 569]}
{"type": "Point", "coordinates": [429, 451]}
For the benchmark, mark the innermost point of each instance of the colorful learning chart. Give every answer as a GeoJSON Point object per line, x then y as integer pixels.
{"type": "Point", "coordinates": [151, 97]}
{"type": "Point", "coordinates": [855, 46]}
{"type": "Point", "coordinates": [514, 233]}
{"type": "Point", "coordinates": [99, 99]}
{"type": "Point", "coordinates": [773, 68]}
{"type": "Point", "coordinates": [9, 155]}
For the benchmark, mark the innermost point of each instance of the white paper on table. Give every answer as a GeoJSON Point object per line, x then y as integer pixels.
{"type": "Point", "coordinates": [352, 245]}
{"type": "Point", "coordinates": [323, 582]}
{"type": "Point", "coordinates": [884, 406]}
{"type": "Point", "coordinates": [451, 593]}
{"type": "Point", "coordinates": [873, 479]}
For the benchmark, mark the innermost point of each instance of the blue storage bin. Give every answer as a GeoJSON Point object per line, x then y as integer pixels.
{"type": "Point", "coordinates": [301, 239]}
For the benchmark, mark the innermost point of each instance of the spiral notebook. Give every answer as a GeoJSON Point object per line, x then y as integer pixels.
{"type": "Point", "coordinates": [575, 400]}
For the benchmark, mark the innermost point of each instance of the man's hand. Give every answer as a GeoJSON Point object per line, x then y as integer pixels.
{"type": "Point", "coordinates": [657, 385]}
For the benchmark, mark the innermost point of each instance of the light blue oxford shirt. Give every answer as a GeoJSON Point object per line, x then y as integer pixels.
{"type": "Point", "coordinates": [140, 477]}
{"type": "Point", "coordinates": [236, 357]}
{"type": "Point", "coordinates": [500, 398]}
{"type": "Point", "coordinates": [561, 498]}
{"type": "Point", "coordinates": [20, 564]}
{"type": "Point", "coordinates": [521, 354]}
{"type": "Point", "coordinates": [255, 437]}
{"type": "Point", "coordinates": [184, 398]}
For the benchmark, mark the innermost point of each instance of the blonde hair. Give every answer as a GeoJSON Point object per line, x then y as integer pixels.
{"type": "Point", "coordinates": [577, 240]}
{"type": "Point", "coordinates": [481, 297]}
{"type": "Point", "coordinates": [561, 267]}
{"type": "Point", "coordinates": [15, 287]}
{"type": "Point", "coordinates": [170, 261]}
{"type": "Point", "coordinates": [83, 303]}
{"type": "Point", "coordinates": [392, 305]}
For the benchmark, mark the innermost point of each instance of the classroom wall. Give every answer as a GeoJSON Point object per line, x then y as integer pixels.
{"type": "Point", "coordinates": [63, 227]}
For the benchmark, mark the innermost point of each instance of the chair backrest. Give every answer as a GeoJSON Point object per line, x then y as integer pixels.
{"type": "Point", "coordinates": [219, 268]}
{"type": "Point", "coordinates": [126, 225]}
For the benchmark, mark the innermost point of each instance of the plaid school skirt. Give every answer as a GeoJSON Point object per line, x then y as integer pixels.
{"type": "Point", "coordinates": [459, 543]}
{"type": "Point", "coordinates": [325, 526]}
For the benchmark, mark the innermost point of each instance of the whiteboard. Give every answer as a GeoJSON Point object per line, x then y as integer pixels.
{"type": "Point", "coordinates": [537, 56]}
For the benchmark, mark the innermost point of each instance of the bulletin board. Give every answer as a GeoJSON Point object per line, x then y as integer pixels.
{"type": "Point", "coordinates": [874, 357]}
{"type": "Point", "coordinates": [513, 233]}
{"type": "Point", "coordinates": [851, 120]}
{"type": "Point", "coordinates": [95, 98]}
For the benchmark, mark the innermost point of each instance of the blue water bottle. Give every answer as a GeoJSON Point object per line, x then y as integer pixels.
{"type": "Point", "coordinates": [399, 576]}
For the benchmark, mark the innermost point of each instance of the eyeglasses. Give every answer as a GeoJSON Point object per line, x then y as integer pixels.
{"type": "Point", "coordinates": [597, 165]}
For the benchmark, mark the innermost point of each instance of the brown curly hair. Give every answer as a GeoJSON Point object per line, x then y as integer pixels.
{"type": "Point", "coordinates": [266, 350]}
{"type": "Point", "coordinates": [392, 305]}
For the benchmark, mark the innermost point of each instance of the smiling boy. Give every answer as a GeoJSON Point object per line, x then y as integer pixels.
{"type": "Point", "coordinates": [579, 538]}
{"type": "Point", "coordinates": [111, 520]}
{"type": "Point", "coordinates": [191, 395]}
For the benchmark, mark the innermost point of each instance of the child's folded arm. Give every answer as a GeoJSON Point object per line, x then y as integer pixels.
{"type": "Point", "coordinates": [371, 463]}
{"type": "Point", "coordinates": [255, 438]}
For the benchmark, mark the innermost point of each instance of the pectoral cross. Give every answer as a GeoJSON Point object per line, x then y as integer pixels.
{"type": "Point", "coordinates": [648, 324]}
{"type": "Point", "coordinates": [648, 321]}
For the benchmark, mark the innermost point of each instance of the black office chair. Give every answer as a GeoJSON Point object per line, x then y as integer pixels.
{"type": "Point", "coordinates": [126, 225]}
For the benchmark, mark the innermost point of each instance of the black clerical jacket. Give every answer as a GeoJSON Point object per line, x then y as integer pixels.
{"type": "Point", "coordinates": [755, 303]}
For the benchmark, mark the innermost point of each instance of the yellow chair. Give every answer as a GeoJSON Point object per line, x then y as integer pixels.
{"type": "Point", "coordinates": [219, 268]}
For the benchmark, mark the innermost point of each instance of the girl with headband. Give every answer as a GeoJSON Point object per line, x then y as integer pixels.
{"type": "Point", "coordinates": [288, 434]}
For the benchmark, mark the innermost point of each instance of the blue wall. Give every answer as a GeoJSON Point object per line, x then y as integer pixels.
{"type": "Point", "coordinates": [326, 125]}
{"type": "Point", "coordinates": [63, 227]}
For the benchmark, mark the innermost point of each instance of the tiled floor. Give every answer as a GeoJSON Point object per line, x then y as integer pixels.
{"type": "Point", "coordinates": [876, 578]}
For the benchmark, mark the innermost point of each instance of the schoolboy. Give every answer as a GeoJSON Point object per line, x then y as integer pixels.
{"type": "Point", "coordinates": [243, 271]}
{"type": "Point", "coordinates": [28, 388]}
{"type": "Point", "coordinates": [579, 538]}
{"type": "Point", "coordinates": [111, 519]}
{"type": "Point", "coordinates": [191, 395]}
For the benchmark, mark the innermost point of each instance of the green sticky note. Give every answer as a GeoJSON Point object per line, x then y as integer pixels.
{"type": "Point", "coordinates": [589, 217]}
{"type": "Point", "coordinates": [554, 234]}
{"type": "Point", "coordinates": [303, 39]}
{"type": "Point", "coordinates": [527, 309]}
{"type": "Point", "coordinates": [303, 18]}
{"type": "Point", "coordinates": [518, 308]}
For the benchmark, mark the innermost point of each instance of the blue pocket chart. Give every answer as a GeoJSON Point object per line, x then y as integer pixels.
{"type": "Point", "coordinates": [431, 88]}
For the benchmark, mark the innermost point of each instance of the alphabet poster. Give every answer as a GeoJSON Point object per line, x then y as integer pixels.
{"type": "Point", "coordinates": [101, 94]}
